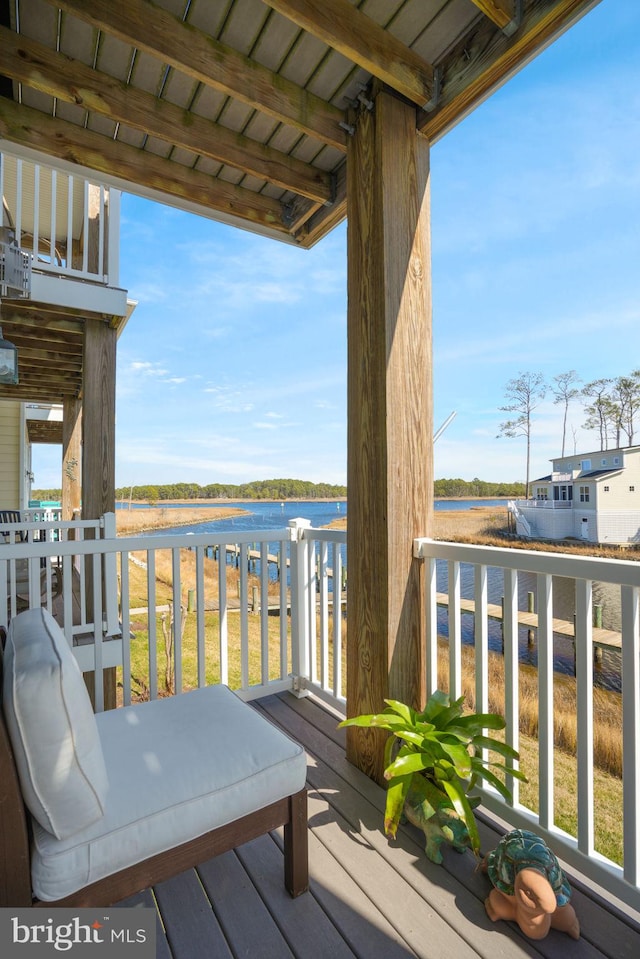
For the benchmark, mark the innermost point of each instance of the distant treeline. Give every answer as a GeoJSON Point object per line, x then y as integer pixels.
{"type": "Point", "coordinates": [476, 488]}
{"type": "Point", "coordinates": [283, 489]}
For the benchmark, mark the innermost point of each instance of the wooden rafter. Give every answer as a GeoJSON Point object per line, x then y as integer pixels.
{"type": "Point", "coordinates": [500, 12]}
{"type": "Point", "coordinates": [66, 141]}
{"type": "Point", "coordinates": [41, 68]}
{"type": "Point", "coordinates": [160, 34]}
{"type": "Point", "coordinates": [43, 431]}
{"type": "Point", "coordinates": [343, 27]}
{"type": "Point", "coordinates": [467, 84]}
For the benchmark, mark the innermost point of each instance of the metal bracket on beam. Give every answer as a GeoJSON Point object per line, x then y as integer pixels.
{"type": "Point", "coordinates": [350, 129]}
{"type": "Point", "coordinates": [362, 97]}
{"type": "Point", "coordinates": [431, 104]}
{"type": "Point", "coordinates": [514, 24]}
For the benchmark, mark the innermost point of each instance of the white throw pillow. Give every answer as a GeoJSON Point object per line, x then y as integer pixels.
{"type": "Point", "coordinates": [52, 726]}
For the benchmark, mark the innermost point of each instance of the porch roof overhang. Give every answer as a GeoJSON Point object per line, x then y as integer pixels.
{"type": "Point", "coordinates": [50, 343]}
{"type": "Point", "coordinates": [240, 111]}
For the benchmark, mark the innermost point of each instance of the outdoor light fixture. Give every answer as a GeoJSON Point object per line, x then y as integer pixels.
{"type": "Point", "coordinates": [8, 361]}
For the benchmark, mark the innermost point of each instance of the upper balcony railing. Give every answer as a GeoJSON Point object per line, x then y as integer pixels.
{"type": "Point", "coordinates": [543, 503]}
{"type": "Point", "coordinates": [61, 220]}
{"type": "Point", "coordinates": [259, 611]}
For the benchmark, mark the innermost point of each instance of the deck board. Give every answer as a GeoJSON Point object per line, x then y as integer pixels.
{"type": "Point", "coordinates": [368, 898]}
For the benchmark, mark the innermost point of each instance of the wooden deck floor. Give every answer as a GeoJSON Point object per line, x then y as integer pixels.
{"type": "Point", "coordinates": [368, 898]}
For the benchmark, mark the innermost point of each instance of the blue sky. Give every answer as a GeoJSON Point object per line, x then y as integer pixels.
{"type": "Point", "coordinates": [233, 366]}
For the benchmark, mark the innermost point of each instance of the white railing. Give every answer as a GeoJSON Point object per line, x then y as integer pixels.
{"type": "Point", "coordinates": [195, 609]}
{"type": "Point", "coordinates": [477, 566]}
{"type": "Point", "coordinates": [51, 515]}
{"type": "Point", "coordinates": [32, 575]}
{"type": "Point", "coordinates": [543, 504]}
{"type": "Point", "coordinates": [62, 220]}
{"type": "Point", "coordinates": [325, 613]}
{"type": "Point", "coordinates": [258, 611]}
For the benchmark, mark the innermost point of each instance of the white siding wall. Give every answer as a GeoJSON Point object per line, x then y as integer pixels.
{"type": "Point", "coordinates": [10, 459]}
{"type": "Point", "coordinates": [550, 523]}
{"type": "Point", "coordinates": [616, 526]}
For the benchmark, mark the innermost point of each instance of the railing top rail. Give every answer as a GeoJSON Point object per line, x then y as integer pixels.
{"type": "Point", "coordinates": [134, 544]}
{"type": "Point", "coordinates": [619, 571]}
{"type": "Point", "coordinates": [326, 535]}
{"type": "Point", "coordinates": [37, 524]}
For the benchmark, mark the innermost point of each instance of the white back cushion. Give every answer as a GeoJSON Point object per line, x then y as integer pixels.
{"type": "Point", "coordinates": [52, 726]}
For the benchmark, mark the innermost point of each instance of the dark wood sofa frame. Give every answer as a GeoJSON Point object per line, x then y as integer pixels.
{"type": "Point", "coordinates": [15, 864]}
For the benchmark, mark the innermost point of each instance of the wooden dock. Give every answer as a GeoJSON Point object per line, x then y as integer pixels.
{"type": "Point", "coordinates": [604, 638]}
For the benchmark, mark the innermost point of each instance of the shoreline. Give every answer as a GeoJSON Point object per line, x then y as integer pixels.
{"type": "Point", "coordinates": [130, 522]}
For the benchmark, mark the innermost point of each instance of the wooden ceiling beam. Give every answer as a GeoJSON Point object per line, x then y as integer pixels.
{"type": "Point", "coordinates": [31, 393]}
{"type": "Point", "coordinates": [42, 432]}
{"type": "Point", "coordinates": [27, 314]}
{"type": "Point", "coordinates": [29, 338]}
{"type": "Point", "coordinates": [485, 59]}
{"type": "Point", "coordinates": [39, 384]}
{"type": "Point", "coordinates": [500, 12]}
{"type": "Point", "coordinates": [62, 361]}
{"type": "Point", "coordinates": [66, 141]}
{"type": "Point", "coordinates": [41, 68]}
{"type": "Point", "coordinates": [326, 218]}
{"type": "Point", "coordinates": [190, 51]}
{"type": "Point", "coordinates": [359, 38]}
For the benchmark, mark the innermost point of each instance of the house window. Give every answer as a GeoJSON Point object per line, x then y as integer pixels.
{"type": "Point", "coordinates": [616, 461]}
{"type": "Point", "coordinates": [603, 462]}
{"type": "Point", "coordinates": [606, 489]}
{"type": "Point", "coordinates": [586, 464]}
{"type": "Point", "coordinates": [542, 492]}
{"type": "Point", "coordinates": [584, 494]}
{"type": "Point", "coordinates": [632, 489]}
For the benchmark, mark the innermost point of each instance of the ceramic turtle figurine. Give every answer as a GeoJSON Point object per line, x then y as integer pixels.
{"type": "Point", "coordinates": [529, 886]}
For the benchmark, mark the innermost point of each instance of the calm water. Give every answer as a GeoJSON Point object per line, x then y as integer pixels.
{"type": "Point", "coordinates": [264, 515]}
{"type": "Point", "coordinates": [258, 515]}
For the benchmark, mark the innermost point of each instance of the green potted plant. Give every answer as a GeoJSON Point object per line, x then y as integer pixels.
{"type": "Point", "coordinates": [432, 763]}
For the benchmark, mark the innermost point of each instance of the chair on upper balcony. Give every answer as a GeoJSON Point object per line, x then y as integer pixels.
{"type": "Point", "coordinates": [13, 518]}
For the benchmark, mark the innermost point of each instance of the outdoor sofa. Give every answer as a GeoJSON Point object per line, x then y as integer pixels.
{"type": "Point", "coordinates": [96, 807]}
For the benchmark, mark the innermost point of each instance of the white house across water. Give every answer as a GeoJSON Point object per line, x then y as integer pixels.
{"type": "Point", "coordinates": [589, 496]}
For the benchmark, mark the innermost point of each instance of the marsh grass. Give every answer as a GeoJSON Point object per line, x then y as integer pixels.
{"type": "Point", "coordinates": [143, 624]}
{"type": "Point", "coordinates": [607, 779]}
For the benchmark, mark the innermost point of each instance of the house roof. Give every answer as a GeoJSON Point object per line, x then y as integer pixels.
{"type": "Point", "coordinates": [242, 109]}
{"type": "Point", "coordinates": [598, 474]}
{"type": "Point", "coordinates": [592, 474]}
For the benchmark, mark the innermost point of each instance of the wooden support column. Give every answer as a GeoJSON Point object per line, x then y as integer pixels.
{"type": "Point", "coordinates": [390, 416]}
{"type": "Point", "coordinates": [71, 456]}
{"type": "Point", "coordinates": [99, 442]}
{"type": "Point", "coordinates": [98, 419]}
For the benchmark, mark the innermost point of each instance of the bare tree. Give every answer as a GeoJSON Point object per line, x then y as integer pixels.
{"type": "Point", "coordinates": [564, 391]}
{"type": "Point", "coordinates": [574, 432]}
{"type": "Point", "coordinates": [625, 394]}
{"type": "Point", "coordinates": [599, 412]}
{"type": "Point", "coordinates": [525, 393]}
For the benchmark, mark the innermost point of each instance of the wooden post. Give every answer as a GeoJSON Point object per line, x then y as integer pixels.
{"type": "Point", "coordinates": [98, 441]}
{"type": "Point", "coordinates": [531, 608]}
{"type": "Point", "coordinates": [71, 456]}
{"type": "Point", "coordinates": [390, 419]}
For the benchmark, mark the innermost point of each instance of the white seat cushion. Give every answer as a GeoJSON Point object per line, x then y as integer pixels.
{"type": "Point", "coordinates": [52, 726]}
{"type": "Point", "coordinates": [178, 767]}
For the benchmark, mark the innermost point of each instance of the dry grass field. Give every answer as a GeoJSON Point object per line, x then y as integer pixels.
{"type": "Point", "coordinates": [130, 522]}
